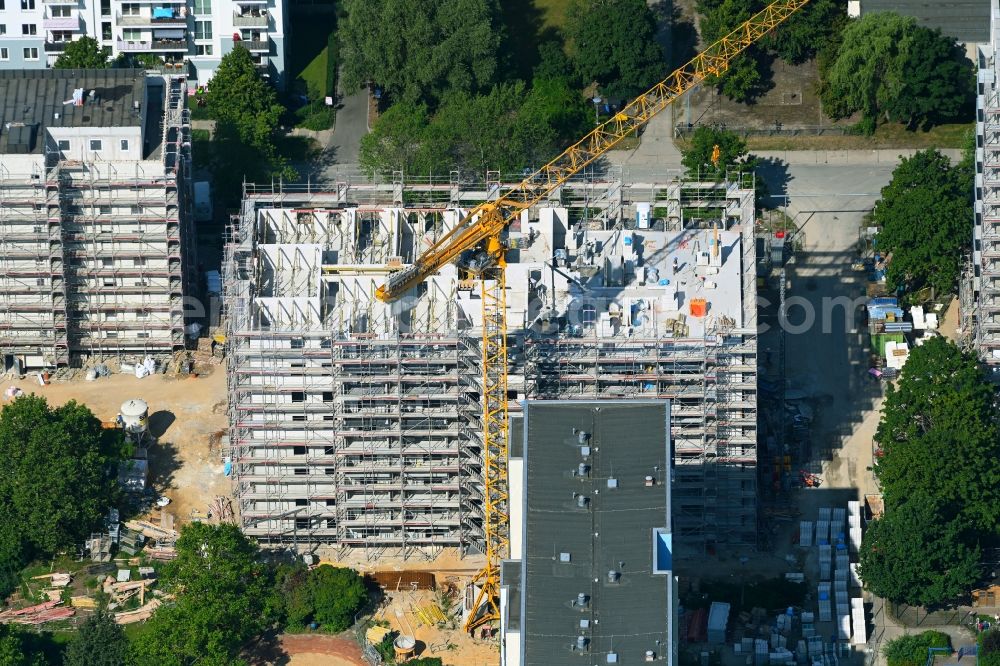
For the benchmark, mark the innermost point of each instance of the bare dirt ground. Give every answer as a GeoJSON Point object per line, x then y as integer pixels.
{"type": "Point", "coordinates": [184, 414]}
{"type": "Point", "coordinates": [316, 650]}
{"type": "Point", "coordinates": [451, 643]}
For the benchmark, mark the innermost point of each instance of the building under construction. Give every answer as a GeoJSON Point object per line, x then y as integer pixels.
{"type": "Point", "coordinates": [95, 253]}
{"type": "Point", "coordinates": [357, 425]}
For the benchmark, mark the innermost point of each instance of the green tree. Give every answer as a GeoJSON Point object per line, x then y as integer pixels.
{"type": "Point", "coordinates": [59, 475]}
{"type": "Point", "coordinates": [733, 153]}
{"type": "Point", "coordinates": [808, 31]}
{"type": "Point", "coordinates": [17, 648]}
{"type": "Point", "coordinates": [918, 554]}
{"type": "Point", "coordinates": [613, 42]}
{"type": "Point", "coordinates": [224, 597]}
{"type": "Point", "coordinates": [398, 140]}
{"type": "Point", "coordinates": [84, 53]}
{"type": "Point", "coordinates": [888, 67]}
{"type": "Point", "coordinates": [744, 80]}
{"type": "Point", "coordinates": [924, 219]}
{"type": "Point", "coordinates": [989, 648]}
{"type": "Point", "coordinates": [418, 51]}
{"type": "Point", "coordinates": [100, 642]}
{"type": "Point", "coordinates": [911, 649]}
{"type": "Point", "coordinates": [939, 435]}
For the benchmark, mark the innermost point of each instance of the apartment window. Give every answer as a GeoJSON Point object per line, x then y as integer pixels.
{"type": "Point", "coordinates": [3, 5]}
{"type": "Point", "coordinates": [29, 29]}
{"type": "Point", "coordinates": [106, 31]}
{"type": "Point", "coordinates": [61, 12]}
{"type": "Point", "coordinates": [327, 396]}
{"type": "Point", "coordinates": [132, 35]}
{"type": "Point", "coordinates": [31, 53]}
{"type": "Point", "coordinates": [139, 261]}
{"type": "Point", "coordinates": [124, 145]}
{"type": "Point", "coordinates": [298, 396]}
{"type": "Point", "coordinates": [301, 471]}
{"type": "Point", "coordinates": [111, 334]}
{"type": "Point", "coordinates": [130, 9]}
{"type": "Point", "coordinates": [329, 471]}
{"type": "Point", "coordinates": [202, 29]}
{"type": "Point", "coordinates": [200, 6]}
{"type": "Point", "coordinates": [96, 144]}
{"type": "Point", "coordinates": [328, 417]}
{"type": "Point", "coordinates": [110, 316]}
{"type": "Point", "coordinates": [142, 335]}
{"type": "Point", "coordinates": [298, 450]}
{"type": "Point", "coordinates": [141, 314]}
{"type": "Point", "coordinates": [302, 523]}
{"type": "Point", "coordinates": [329, 451]}
{"type": "Point", "coordinates": [331, 502]}
{"type": "Point", "coordinates": [106, 8]}
{"type": "Point", "coordinates": [40, 282]}
{"type": "Point", "coordinates": [301, 502]}
{"type": "Point", "coordinates": [298, 417]}
{"type": "Point", "coordinates": [297, 343]}
{"type": "Point", "coordinates": [63, 144]}
{"type": "Point", "coordinates": [62, 36]}
{"type": "Point", "coordinates": [203, 49]}
{"type": "Point", "coordinates": [109, 282]}
{"type": "Point", "coordinates": [27, 4]}
{"type": "Point", "coordinates": [4, 54]}
{"type": "Point", "coordinates": [3, 28]}
{"type": "Point", "coordinates": [107, 262]}
{"type": "Point", "coordinates": [104, 210]}
{"type": "Point", "coordinates": [137, 210]}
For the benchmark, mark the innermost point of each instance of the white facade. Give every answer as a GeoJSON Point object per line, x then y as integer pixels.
{"type": "Point", "coordinates": [177, 36]}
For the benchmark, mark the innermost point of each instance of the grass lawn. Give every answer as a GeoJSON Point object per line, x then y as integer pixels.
{"type": "Point", "coordinates": [886, 136]}
{"type": "Point", "coordinates": [553, 12]}
{"type": "Point", "coordinates": [308, 59]}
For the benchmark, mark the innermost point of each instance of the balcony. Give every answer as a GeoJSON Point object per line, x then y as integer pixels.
{"type": "Point", "coordinates": [55, 47]}
{"type": "Point", "coordinates": [163, 45]}
{"type": "Point", "coordinates": [257, 46]}
{"type": "Point", "coordinates": [59, 2]}
{"type": "Point", "coordinates": [61, 23]}
{"type": "Point", "coordinates": [250, 20]}
{"type": "Point", "coordinates": [175, 21]}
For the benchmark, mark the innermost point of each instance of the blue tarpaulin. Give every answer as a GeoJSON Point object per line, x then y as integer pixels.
{"type": "Point", "coordinates": [163, 12]}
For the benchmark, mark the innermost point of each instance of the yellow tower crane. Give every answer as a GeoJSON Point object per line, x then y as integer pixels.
{"type": "Point", "coordinates": [482, 229]}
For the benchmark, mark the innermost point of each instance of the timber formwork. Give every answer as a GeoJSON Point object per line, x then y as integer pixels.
{"type": "Point", "coordinates": [362, 432]}
{"type": "Point", "coordinates": [95, 258]}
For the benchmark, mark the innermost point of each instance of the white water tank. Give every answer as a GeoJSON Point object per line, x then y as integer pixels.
{"type": "Point", "coordinates": [135, 416]}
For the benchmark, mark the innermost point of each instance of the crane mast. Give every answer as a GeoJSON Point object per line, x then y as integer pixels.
{"type": "Point", "coordinates": [483, 227]}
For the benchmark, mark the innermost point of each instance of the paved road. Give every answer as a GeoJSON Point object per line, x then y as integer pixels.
{"type": "Point", "coordinates": [352, 124]}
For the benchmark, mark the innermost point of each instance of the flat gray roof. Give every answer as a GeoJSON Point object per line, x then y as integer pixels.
{"type": "Point", "coordinates": [31, 98]}
{"type": "Point", "coordinates": [964, 20]}
{"type": "Point", "coordinates": [628, 441]}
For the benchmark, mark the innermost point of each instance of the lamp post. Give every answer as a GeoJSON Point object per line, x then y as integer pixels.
{"type": "Point", "coordinates": [597, 102]}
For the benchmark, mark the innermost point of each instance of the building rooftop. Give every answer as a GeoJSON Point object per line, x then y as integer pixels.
{"type": "Point", "coordinates": [34, 99]}
{"type": "Point", "coordinates": [614, 550]}
{"type": "Point", "coordinates": [967, 21]}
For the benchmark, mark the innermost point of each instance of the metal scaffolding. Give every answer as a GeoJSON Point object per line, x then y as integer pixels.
{"type": "Point", "coordinates": [97, 256]}
{"type": "Point", "coordinates": [358, 427]}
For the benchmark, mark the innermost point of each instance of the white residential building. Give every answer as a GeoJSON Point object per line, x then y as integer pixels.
{"type": "Point", "coordinates": [178, 36]}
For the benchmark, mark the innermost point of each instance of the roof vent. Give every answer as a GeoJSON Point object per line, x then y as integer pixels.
{"type": "Point", "coordinates": [582, 469]}
{"type": "Point", "coordinates": [582, 437]}
{"type": "Point", "coordinates": [585, 451]}
{"type": "Point", "coordinates": [650, 481]}
{"type": "Point", "coordinates": [584, 623]}
{"type": "Point", "coordinates": [581, 643]}
{"type": "Point", "coordinates": [582, 599]}
{"type": "Point", "coordinates": [650, 655]}
{"type": "Point", "coordinates": [612, 483]}
{"type": "Point", "coordinates": [612, 657]}
{"type": "Point", "coordinates": [581, 501]}
{"type": "Point", "coordinates": [564, 557]}
{"type": "Point", "coordinates": [614, 576]}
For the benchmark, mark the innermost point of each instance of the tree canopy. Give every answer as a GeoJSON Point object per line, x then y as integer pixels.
{"type": "Point", "coordinates": [506, 129]}
{"type": "Point", "coordinates": [100, 642]}
{"type": "Point", "coordinates": [59, 475]}
{"type": "Point", "coordinates": [911, 649]}
{"type": "Point", "coordinates": [224, 596]}
{"type": "Point", "coordinates": [743, 81]}
{"type": "Point", "coordinates": [613, 42]}
{"type": "Point", "coordinates": [84, 53]}
{"type": "Point", "coordinates": [919, 555]}
{"type": "Point", "coordinates": [247, 114]}
{"type": "Point", "coordinates": [939, 470]}
{"type": "Point", "coordinates": [733, 153]}
{"type": "Point", "coordinates": [924, 218]}
{"type": "Point", "coordinates": [887, 66]}
{"type": "Point", "coordinates": [329, 596]}
{"type": "Point", "coordinates": [417, 51]}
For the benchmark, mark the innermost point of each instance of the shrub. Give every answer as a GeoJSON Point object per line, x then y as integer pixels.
{"type": "Point", "coordinates": [911, 650]}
